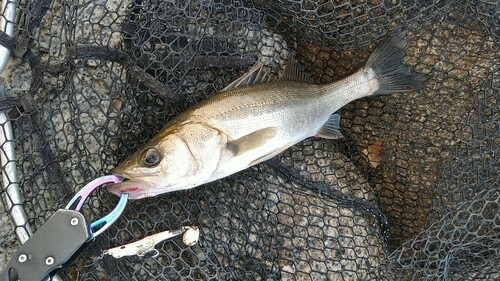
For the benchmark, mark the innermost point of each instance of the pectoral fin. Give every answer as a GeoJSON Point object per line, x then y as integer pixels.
{"type": "Point", "coordinates": [252, 140]}
{"type": "Point", "coordinates": [331, 129]}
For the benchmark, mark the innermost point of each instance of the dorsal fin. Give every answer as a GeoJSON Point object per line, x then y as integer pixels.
{"type": "Point", "coordinates": [255, 75]}
{"type": "Point", "coordinates": [294, 71]}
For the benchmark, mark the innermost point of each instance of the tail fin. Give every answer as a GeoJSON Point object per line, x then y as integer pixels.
{"type": "Point", "coordinates": [387, 63]}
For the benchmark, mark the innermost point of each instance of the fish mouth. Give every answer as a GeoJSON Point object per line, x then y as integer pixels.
{"type": "Point", "coordinates": [136, 189]}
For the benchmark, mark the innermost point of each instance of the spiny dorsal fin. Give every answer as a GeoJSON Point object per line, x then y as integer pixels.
{"type": "Point", "coordinates": [255, 75]}
{"type": "Point", "coordinates": [331, 129]}
{"type": "Point", "coordinates": [252, 140]}
{"type": "Point", "coordinates": [294, 71]}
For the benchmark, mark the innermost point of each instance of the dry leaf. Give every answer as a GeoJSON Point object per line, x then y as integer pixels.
{"type": "Point", "coordinates": [374, 153]}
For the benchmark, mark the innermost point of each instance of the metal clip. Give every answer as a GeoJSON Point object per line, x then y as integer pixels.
{"type": "Point", "coordinates": [79, 199]}
{"type": "Point", "coordinates": [61, 238]}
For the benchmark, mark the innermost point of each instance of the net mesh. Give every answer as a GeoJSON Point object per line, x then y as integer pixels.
{"type": "Point", "coordinates": [411, 193]}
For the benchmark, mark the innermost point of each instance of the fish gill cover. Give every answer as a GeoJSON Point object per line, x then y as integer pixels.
{"type": "Point", "coordinates": [411, 193]}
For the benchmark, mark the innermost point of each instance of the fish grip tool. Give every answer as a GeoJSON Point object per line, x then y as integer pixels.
{"type": "Point", "coordinates": [61, 238]}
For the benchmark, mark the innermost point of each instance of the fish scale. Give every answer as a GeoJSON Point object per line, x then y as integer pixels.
{"type": "Point", "coordinates": [284, 103]}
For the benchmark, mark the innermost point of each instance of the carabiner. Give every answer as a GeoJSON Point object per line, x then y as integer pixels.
{"type": "Point", "coordinates": [79, 199]}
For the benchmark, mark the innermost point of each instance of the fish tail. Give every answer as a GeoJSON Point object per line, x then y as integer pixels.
{"type": "Point", "coordinates": [385, 64]}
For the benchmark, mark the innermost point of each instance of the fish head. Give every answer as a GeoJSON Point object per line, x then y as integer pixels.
{"type": "Point", "coordinates": [161, 166]}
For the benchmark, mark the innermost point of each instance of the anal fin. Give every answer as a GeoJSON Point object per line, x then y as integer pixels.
{"type": "Point", "coordinates": [331, 129]}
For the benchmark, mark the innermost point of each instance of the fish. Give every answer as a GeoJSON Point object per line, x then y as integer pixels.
{"type": "Point", "coordinates": [254, 119]}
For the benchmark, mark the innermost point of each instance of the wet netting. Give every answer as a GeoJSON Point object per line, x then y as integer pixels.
{"type": "Point", "coordinates": [411, 193]}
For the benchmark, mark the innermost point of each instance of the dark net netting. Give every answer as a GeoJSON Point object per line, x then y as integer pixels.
{"type": "Point", "coordinates": [411, 193]}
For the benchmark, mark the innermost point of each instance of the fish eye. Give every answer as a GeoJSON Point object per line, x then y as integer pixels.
{"type": "Point", "coordinates": [151, 157]}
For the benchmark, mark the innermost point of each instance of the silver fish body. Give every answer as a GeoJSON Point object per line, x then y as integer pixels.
{"type": "Point", "coordinates": [293, 111]}
{"type": "Point", "coordinates": [243, 126]}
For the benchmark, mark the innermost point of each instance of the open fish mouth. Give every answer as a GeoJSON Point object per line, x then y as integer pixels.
{"type": "Point", "coordinates": [135, 189]}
